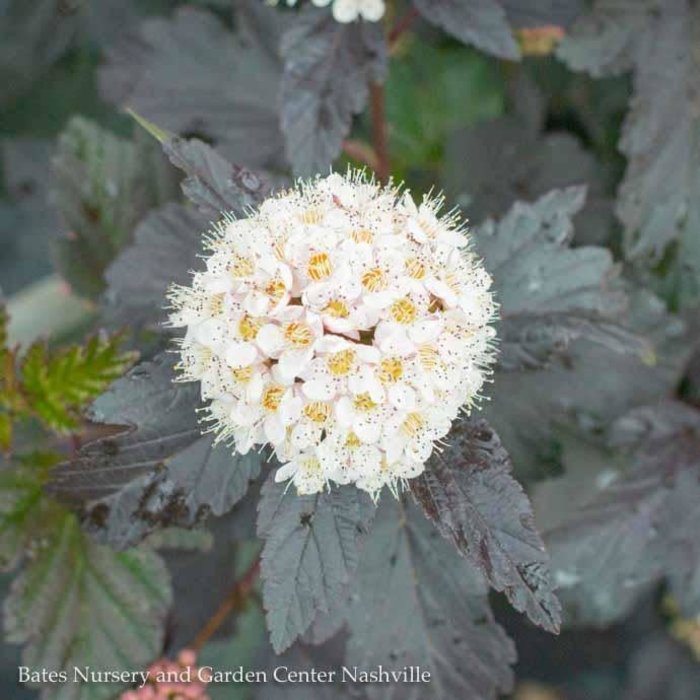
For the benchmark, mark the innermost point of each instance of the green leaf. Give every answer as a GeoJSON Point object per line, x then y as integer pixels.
{"type": "Point", "coordinates": [26, 171]}
{"type": "Point", "coordinates": [468, 492]}
{"type": "Point", "coordinates": [455, 87]}
{"type": "Point", "coordinates": [659, 198]}
{"type": "Point", "coordinates": [7, 370]}
{"type": "Point", "coordinates": [103, 185]}
{"type": "Point", "coordinates": [4, 319]}
{"type": "Point", "coordinates": [311, 551]}
{"type": "Point", "coordinates": [327, 67]}
{"type": "Point", "coordinates": [58, 384]}
{"type": "Point", "coordinates": [415, 602]}
{"type": "Point", "coordinates": [23, 510]}
{"type": "Point", "coordinates": [80, 604]}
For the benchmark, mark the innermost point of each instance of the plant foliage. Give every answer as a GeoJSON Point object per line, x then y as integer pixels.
{"type": "Point", "coordinates": [567, 133]}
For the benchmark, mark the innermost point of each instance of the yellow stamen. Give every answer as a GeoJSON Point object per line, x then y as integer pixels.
{"type": "Point", "coordinates": [216, 304]}
{"type": "Point", "coordinates": [404, 311]}
{"type": "Point", "coordinates": [298, 334]}
{"type": "Point", "coordinates": [272, 397]}
{"type": "Point", "coordinates": [390, 370]}
{"type": "Point", "coordinates": [248, 327]}
{"type": "Point", "coordinates": [415, 268]}
{"type": "Point", "coordinates": [363, 402]}
{"type": "Point", "coordinates": [362, 235]}
{"type": "Point", "coordinates": [430, 226]}
{"type": "Point", "coordinates": [317, 411]}
{"type": "Point", "coordinates": [242, 374]}
{"type": "Point", "coordinates": [278, 248]}
{"type": "Point", "coordinates": [275, 289]}
{"type": "Point", "coordinates": [319, 266]}
{"type": "Point", "coordinates": [242, 267]}
{"type": "Point", "coordinates": [311, 464]}
{"type": "Point", "coordinates": [312, 216]}
{"type": "Point", "coordinates": [352, 442]}
{"type": "Point", "coordinates": [413, 423]}
{"type": "Point", "coordinates": [428, 356]}
{"type": "Point", "coordinates": [374, 280]}
{"type": "Point", "coordinates": [337, 308]}
{"type": "Point", "coordinates": [340, 363]}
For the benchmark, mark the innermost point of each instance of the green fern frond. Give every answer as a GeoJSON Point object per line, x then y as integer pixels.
{"type": "Point", "coordinates": [57, 385]}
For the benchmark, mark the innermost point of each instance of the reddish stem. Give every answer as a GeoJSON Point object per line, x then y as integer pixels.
{"type": "Point", "coordinates": [233, 601]}
{"type": "Point", "coordinates": [360, 151]}
{"type": "Point", "coordinates": [402, 26]}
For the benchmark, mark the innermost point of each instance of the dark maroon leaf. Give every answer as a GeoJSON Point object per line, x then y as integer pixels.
{"type": "Point", "coordinates": [640, 528]}
{"type": "Point", "coordinates": [468, 491]}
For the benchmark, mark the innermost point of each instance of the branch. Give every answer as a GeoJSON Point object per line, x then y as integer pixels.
{"type": "Point", "coordinates": [361, 152]}
{"type": "Point", "coordinates": [403, 25]}
{"type": "Point", "coordinates": [233, 601]}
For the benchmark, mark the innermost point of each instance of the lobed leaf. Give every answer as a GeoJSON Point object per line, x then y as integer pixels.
{"type": "Point", "coordinates": [21, 510]}
{"type": "Point", "coordinates": [311, 551]}
{"type": "Point", "coordinates": [482, 23]}
{"type": "Point", "coordinates": [191, 75]}
{"type": "Point", "coordinates": [416, 603]}
{"type": "Point", "coordinates": [321, 659]}
{"type": "Point", "coordinates": [550, 294]}
{"type": "Point", "coordinates": [213, 184]}
{"type": "Point", "coordinates": [164, 252]}
{"type": "Point", "coordinates": [658, 198]}
{"type": "Point", "coordinates": [160, 470]}
{"type": "Point", "coordinates": [58, 384]}
{"type": "Point", "coordinates": [327, 66]}
{"type": "Point", "coordinates": [509, 160]}
{"type": "Point", "coordinates": [79, 604]}
{"type": "Point", "coordinates": [533, 411]}
{"type": "Point", "coordinates": [523, 13]}
{"type": "Point", "coordinates": [642, 527]}
{"type": "Point", "coordinates": [102, 187]}
{"type": "Point", "coordinates": [468, 492]}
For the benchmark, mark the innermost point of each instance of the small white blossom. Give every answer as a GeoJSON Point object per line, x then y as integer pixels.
{"type": "Point", "coordinates": [343, 325]}
{"type": "Point", "coordinates": [346, 11]}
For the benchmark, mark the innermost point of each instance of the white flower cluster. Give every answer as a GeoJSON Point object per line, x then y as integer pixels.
{"type": "Point", "coordinates": [343, 325]}
{"type": "Point", "coordinates": [346, 11]}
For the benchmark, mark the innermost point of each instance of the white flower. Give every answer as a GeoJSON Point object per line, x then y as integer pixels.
{"type": "Point", "coordinates": [348, 10]}
{"type": "Point", "coordinates": [343, 325]}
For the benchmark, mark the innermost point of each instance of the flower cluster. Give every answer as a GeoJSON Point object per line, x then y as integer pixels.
{"type": "Point", "coordinates": [341, 323]}
{"type": "Point", "coordinates": [171, 680]}
{"type": "Point", "coordinates": [346, 11]}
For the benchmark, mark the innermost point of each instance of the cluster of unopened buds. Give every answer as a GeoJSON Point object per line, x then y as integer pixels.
{"type": "Point", "coordinates": [171, 680]}
{"type": "Point", "coordinates": [341, 323]}
{"type": "Point", "coordinates": [346, 11]}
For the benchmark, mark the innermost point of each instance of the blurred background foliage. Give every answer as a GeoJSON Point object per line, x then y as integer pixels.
{"type": "Point", "coordinates": [485, 131]}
